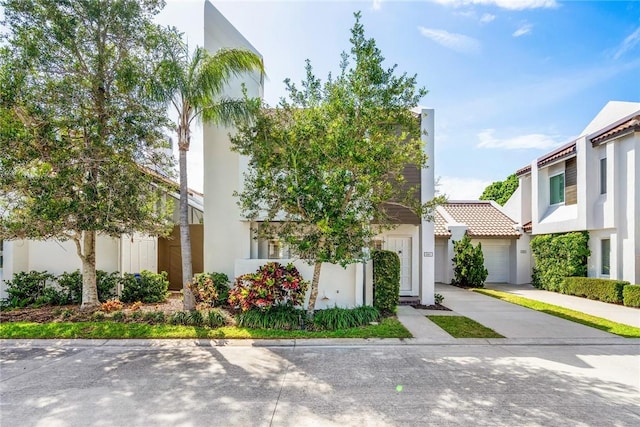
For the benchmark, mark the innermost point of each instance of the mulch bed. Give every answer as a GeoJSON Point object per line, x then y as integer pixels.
{"type": "Point", "coordinates": [431, 307]}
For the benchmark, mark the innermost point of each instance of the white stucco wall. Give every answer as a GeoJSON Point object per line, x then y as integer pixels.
{"type": "Point", "coordinates": [226, 237]}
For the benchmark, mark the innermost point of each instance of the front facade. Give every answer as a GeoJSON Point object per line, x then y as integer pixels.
{"type": "Point", "coordinates": [592, 184]}
{"type": "Point", "coordinates": [231, 247]}
{"type": "Point", "coordinates": [504, 245]}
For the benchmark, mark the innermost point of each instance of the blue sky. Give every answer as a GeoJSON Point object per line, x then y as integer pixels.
{"type": "Point", "coordinates": [509, 79]}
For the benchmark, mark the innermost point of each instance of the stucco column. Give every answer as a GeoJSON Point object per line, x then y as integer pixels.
{"type": "Point", "coordinates": [427, 192]}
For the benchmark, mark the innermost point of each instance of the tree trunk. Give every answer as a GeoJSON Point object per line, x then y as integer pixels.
{"type": "Point", "coordinates": [314, 289]}
{"type": "Point", "coordinates": [189, 302]}
{"type": "Point", "coordinates": [88, 257]}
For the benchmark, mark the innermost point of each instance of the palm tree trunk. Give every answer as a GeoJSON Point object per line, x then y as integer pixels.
{"type": "Point", "coordinates": [185, 236]}
{"type": "Point", "coordinates": [314, 289]}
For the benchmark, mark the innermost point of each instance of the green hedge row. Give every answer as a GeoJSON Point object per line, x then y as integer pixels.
{"type": "Point", "coordinates": [631, 295]}
{"type": "Point", "coordinates": [596, 289]}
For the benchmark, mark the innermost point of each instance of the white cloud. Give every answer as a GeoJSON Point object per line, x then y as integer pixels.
{"type": "Point", "coordinates": [504, 4]}
{"type": "Point", "coordinates": [628, 43]}
{"type": "Point", "coordinates": [454, 41]}
{"type": "Point", "coordinates": [524, 29]}
{"type": "Point", "coordinates": [487, 17]}
{"type": "Point", "coordinates": [456, 188]}
{"type": "Point", "coordinates": [533, 140]}
{"type": "Point", "coordinates": [377, 4]}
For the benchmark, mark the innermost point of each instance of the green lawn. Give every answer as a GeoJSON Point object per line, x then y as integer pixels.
{"type": "Point", "coordinates": [388, 328]}
{"type": "Point", "coordinates": [565, 313]}
{"type": "Point", "coordinates": [463, 327]}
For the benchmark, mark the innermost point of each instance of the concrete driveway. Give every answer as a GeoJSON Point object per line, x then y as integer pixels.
{"type": "Point", "coordinates": [188, 384]}
{"type": "Point", "coordinates": [514, 321]}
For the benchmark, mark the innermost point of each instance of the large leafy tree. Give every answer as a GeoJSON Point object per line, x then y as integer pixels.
{"type": "Point", "coordinates": [77, 135]}
{"type": "Point", "coordinates": [501, 191]}
{"type": "Point", "coordinates": [194, 83]}
{"type": "Point", "coordinates": [324, 163]}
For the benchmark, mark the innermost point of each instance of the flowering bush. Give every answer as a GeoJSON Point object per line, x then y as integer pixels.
{"type": "Point", "coordinates": [271, 285]}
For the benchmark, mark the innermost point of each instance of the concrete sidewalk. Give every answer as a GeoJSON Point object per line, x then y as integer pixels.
{"type": "Point", "coordinates": [615, 313]}
{"type": "Point", "coordinates": [509, 320]}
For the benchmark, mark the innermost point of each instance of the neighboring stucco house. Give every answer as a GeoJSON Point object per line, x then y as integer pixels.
{"type": "Point", "coordinates": [126, 254]}
{"type": "Point", "coordinates": [593, 184]}
{"type": "Point", "coordinates": [504, 245]}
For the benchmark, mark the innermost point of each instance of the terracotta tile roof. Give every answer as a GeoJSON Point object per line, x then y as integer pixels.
{"type": "Point", "coordinates": [482, 219]}
{"type": "Point", "coordinates": [440, 229]}
{"type": "Point", "coordinates": [631, 125]}
{"type": "Point", "coordinates": [527, 227]}
{"type": "Point", "coordinates": [560, 153]}
{"type": "Point", "coordinates": [523, 171]}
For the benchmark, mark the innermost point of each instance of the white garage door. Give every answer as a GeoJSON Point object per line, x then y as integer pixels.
{"type": "Point", "coordinates": [496, 261]}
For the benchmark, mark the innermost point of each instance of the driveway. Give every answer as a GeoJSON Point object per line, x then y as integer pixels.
{"type": "Point", "coordinates": [187, 383]}
{"type": "Point", "coordinates": [514, 321]}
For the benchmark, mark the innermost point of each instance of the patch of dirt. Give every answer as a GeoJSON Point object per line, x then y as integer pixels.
{"type": "Point", "coordinates": [431, 307]}
{"type": "Point", "coordinates": [72, 313]}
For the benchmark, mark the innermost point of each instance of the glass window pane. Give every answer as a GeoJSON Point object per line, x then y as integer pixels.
{"type": "Point", "coordinates": [556, 189]}
{"type": "Point", "coordinates": [603, 176]}
{"type": "Point", "coordinates": [605, 250]}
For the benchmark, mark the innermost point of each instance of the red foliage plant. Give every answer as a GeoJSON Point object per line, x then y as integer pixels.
{"type": "Point", "coordinates": [271, 285]}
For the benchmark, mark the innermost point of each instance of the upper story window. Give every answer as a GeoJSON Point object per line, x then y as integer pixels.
{"type": "Point", "coordinates": [556, 189]}
{"type": "Point", "coordinates": [603, 176]}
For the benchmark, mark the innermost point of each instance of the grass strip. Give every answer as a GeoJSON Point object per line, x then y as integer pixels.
{"type": "Point", "coordinates": [565, 313]}
{"type": "Point", "coordinates": [463, 327]}
{"type": "Point", "coordinates": [388, 328]}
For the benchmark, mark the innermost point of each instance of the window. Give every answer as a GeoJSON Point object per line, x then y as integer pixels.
{"type": "Point", "coordinates": [603, 176]}
{"type": "Point", "coordinates": [605, 250]}
{"type": "Point", "coordinates": [556, 189]}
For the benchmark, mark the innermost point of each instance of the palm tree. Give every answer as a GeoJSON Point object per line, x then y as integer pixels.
{"type": "Point", "coordinates": [194, 85]}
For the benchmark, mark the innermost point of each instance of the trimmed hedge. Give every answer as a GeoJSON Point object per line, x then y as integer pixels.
{"type": "Point", "coordinates": [386, 281]}
{"type": "Point", "coordinates": [597, 289]}
{"type": "Point", "coordinates": [146, 287]}
{"type": "Point", "coordinates": [631, 295]}
{"type": "Point", "coordinates": [558, 256]}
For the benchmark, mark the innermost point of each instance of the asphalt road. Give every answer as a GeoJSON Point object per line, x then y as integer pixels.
{"type": "Point", "coordinates": [172, 383]}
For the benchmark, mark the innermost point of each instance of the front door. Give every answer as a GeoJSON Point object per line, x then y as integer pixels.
{"type": "Point", "coordinates": [402, 246]}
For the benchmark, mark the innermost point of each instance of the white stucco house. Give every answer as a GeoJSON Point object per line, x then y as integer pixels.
{"type": "Point", "coordinates": [593, 184]}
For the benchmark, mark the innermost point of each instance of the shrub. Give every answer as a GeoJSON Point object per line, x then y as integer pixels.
{"type": "Point", "coordinates": [343, 318]}
{"type": "Point", "coordinates": [210, 289]}
{"type": "Point", "coordinates": [27, 288]}
{"type": "Point", "coordinates": [179, 318]}
{"type": "Point", "coordinates": [386, 281]}
{"type": "Point", "coordinates": [438, 298]}
{"type": "Point", "coordinates": [597, 289]}
{"type": "Point", "coordinates": [215, 319]}
{"type": "Point", "coordinates": [118, 316]}
{"type": "Point", "coordinates": [283, 317]}
{"type": "Point", "coordinates": [270, 286]}
{"type": "Point", "coordinates": [71, 285]}
{"type": "Point", "coordinates": [111, 305]}
{"type": "Point", "coordinates": [631, 295]}
{"type": "Point", "coordinates": [151, 316]}
{"type": "Point", "coordinates": [557, 256]}
{"type": "Point", "coordinates": [146, 287]}
{"type": "Point", "coordinates": [468, 264]}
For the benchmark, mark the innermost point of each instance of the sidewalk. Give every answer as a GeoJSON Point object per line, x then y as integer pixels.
{"type": "Point", "coordinates": [510, 320]}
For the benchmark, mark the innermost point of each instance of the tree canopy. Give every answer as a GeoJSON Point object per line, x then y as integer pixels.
{"type": "Point", "coordinates": [80, 140]}
{"type": "Point", "coordinates": [501, 191]}
{"type": "Point", "coordinates": [326, 160]}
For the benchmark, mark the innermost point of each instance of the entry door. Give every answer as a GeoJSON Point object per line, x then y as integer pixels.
{"type": "Point", "coordinates": [402, 246]}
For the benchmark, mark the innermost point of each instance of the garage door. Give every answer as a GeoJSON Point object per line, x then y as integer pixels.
{"type": "Point", "coordinates": [441, 260]}
{"type": "Point", "coordinates": [496, 261]}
